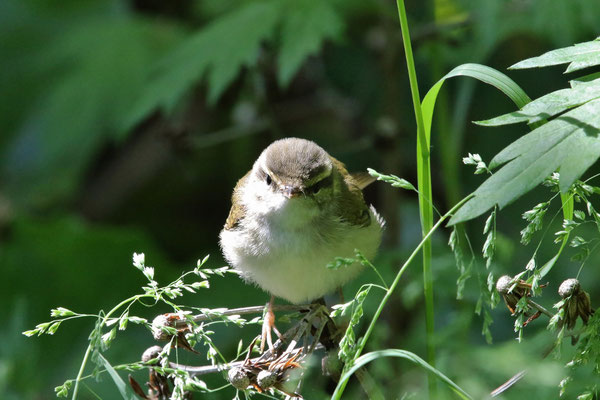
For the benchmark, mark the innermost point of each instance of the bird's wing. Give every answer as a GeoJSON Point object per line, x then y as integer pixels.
{"type": "Point", "coordinates": [353, 208]}
{"type": "Point", "coordinates": [362, 179]}
{"type": "Point", "coordinates": [237, 211]}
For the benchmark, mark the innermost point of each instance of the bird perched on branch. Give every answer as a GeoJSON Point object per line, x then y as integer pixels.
{"type": "Point", "coordinates": [294, 212]}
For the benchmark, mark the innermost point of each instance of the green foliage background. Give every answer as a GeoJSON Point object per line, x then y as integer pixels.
{"type": "Point", "coordinates": [125, 125]}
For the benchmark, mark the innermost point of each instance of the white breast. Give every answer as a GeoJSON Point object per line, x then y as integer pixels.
{"type": "Point", "coordinates": [285, 251]}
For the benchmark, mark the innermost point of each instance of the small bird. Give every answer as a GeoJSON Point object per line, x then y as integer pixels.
{"type": "Point", "coordinates": [293, 213]}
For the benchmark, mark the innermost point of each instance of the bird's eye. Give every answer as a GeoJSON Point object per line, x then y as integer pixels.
{"type": "Point", "coordinates": [323, 183]}
{"type": "Point", "coordinates": [269, 180]}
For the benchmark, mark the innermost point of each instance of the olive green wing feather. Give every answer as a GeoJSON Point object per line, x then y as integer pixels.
{"type": "Point", "coordinates": [362, 179]}
{"type": "Point", "coordinates": [353, 208]}
{"type": "Point", "coordinates": [238, 211]}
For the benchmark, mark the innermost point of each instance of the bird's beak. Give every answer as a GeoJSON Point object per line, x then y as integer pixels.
{"type": "Point", "coordinates": [290, 191]}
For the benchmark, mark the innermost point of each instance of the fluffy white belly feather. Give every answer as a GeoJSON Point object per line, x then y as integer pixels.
{"type": "Point", "coordinates": [289, 259]}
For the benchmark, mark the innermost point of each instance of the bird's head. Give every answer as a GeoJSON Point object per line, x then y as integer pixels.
{"type": "Point", "coordinates": [293, 171]}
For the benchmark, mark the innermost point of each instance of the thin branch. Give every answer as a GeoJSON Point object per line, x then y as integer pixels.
{"type": "Point", "coordinates": [539, 308]}
{"type": "Point", "coordinates": [209, 316]}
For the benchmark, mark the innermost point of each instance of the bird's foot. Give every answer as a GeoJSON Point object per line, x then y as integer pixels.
{"type": "Point", "coordinates": [268, 327]}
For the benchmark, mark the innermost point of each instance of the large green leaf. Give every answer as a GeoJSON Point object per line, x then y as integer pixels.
{"type": "Point", "coordinates": [570, 143]}
{"type": "Point", "coordinates": [549, 105]}
{"type": "Point", "coordinates": [216, 52]}
{"type": "Point", "coordinates": [219, 51]}
{"type": "Point", "coordinates": [579, 56]}
{"type": "Point", "coordinates": [306, 24]}
{"type": "Point", "coordinates": [98, 66]}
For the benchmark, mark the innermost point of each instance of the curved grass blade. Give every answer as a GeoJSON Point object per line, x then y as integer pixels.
{"type": "Point", "coordinates": [484, 74]}
{"type": "Point", "coordinates": [124, 389]}
{"type": "Point", "coordinates": [407, 355]}
{"type": "Point", "coordinates": [480, 72]}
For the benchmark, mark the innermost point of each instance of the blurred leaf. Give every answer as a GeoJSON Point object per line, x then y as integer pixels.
{"type": "Point", "coordinates": [216, 52]}
{"type": "Point", "coordinates": [306, 24]}
{"type": "Point", "coordinates": [579, 56]}
{"type": "Point", "coordinates": [570, 143]}
{"type": "Point", "coordinates": [66, 260]}
{"type": "Point", "coordinates": [220, 50]}
{"type": "Point", "coordinates": [102, 63]}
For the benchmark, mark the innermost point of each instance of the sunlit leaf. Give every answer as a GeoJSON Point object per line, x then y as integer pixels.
{"type": "Point", "coordinates": [570, 143]}
{"type": "Point", "coordinates": [579, 56]}
{"type": "Point", "coordinates": [549, 105]}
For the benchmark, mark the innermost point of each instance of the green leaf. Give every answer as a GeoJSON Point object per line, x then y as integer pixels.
{"type": "Point", "coordinates": [217, 53]}
{"type": "Point", "coordinates": [102, 64]}
{"type": "Point", "coordinates": [570, 143]}
{"type": "Point", "coordinates": [481, 72]}
{"type": "Point", "coordinates": [368, 357]}
{"type": "Point", "coordinates": [579, 56]}
{"type": "Point", "coordinates": [124, 389]}
{"type": "Point", "coordinates": [549, 105]}
{"type": "Point", "coordinates": [584, 79]}
{"type": "Point", "coordinates": [307, 23]}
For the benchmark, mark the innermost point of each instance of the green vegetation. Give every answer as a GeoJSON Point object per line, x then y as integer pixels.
{"type": "Point", "coordinates": [126, 124]}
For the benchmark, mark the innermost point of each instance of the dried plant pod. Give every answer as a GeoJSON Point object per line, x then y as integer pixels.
{"type": "Point", "coordinates": [238, 377]}
{"type": "Point", "coordinates": [576, 303]}
{"type": "Point", "coordinates": [569, 287]}
{"type": "Point", "coordinates": [503, 284]}
{"type": "Point", "coordinates": [171, 320]}
{"type": "Point", "coordinates": [151, 353]}
{"type": "Point", "coordinates": [158, 323]}
{"type": "Point", "coordinates": [266, 379]}
{"type": "Point", "coordinates": [511, 291]}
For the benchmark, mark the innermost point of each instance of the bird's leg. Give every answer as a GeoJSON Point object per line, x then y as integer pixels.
{"type": "Point", "coordinates": [268, 326]}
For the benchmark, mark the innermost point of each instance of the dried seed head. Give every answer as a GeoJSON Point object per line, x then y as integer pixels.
{"type": "Point", "coordinates": [568, 288]}
{"type": "Point", "coordinates": [157, 324]}
{"type": "Point", "coordinates": [238, 378]}
{"type": "Point", "coordinates": [266, 379]}
{"type": "Point", "coordinates": [576, 304]}
{"type": "Point", "coordinates": [150, 353]}
{"type": "Point", "coordinates": [503, 284]}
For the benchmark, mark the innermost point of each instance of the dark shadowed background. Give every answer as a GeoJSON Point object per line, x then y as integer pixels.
{"type": "Point", "coordinates": [126, 124]}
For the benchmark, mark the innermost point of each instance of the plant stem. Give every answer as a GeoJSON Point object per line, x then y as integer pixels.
{"type": "Point", "coordinates": [425, 197]}
{"type": "Point", "coordinates": [182, 323]}
{"type": "Point", "coordinates": [90, 346]}
{"type": "Point", "coordinates": [81, 369]}
{"type": "Point", "coordinates": [363, 341]}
